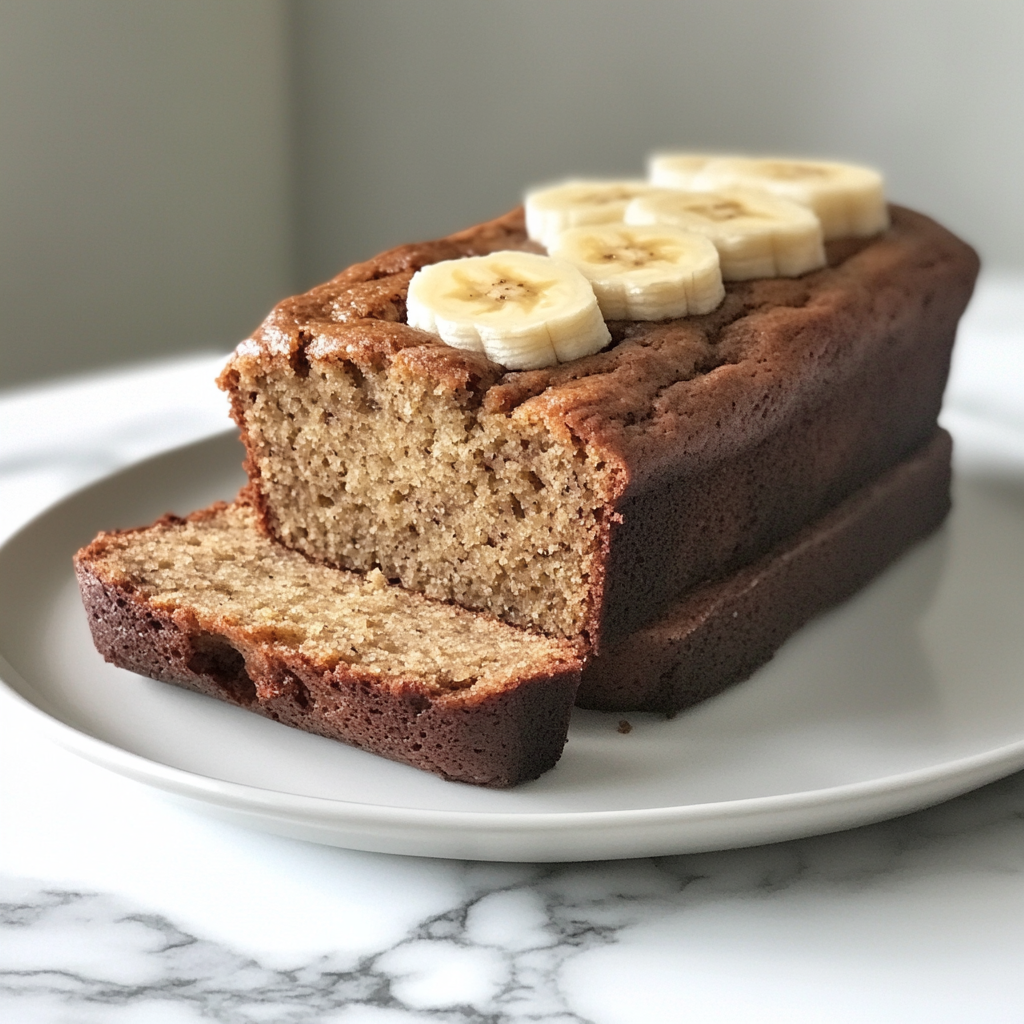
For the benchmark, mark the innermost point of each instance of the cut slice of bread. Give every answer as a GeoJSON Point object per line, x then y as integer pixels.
{"type": "Point", "coordinates": [211, 604]}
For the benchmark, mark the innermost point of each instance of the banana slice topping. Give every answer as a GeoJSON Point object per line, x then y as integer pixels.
{"type": "Point", "coordinates": [521, 310]}
{"type": "Point", "coordinates": [756, 234]}
{"type": "Point", "coordinates": [634, 250]}
{"type": "Point", "coordinates": [849, 200]}
{"type": "Point", "coordinates": [644, 273]}
{"type": "Point", "coordinates": [554, 209]}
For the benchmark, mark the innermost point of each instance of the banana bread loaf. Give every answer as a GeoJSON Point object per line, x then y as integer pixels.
{"type": "Point", "coordinates": [585, 499]}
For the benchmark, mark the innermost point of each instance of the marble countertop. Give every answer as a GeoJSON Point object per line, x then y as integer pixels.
{"type": "Point", "coordinates": [118, 906]}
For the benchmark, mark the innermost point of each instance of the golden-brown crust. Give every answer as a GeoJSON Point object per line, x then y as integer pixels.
{"type": "Point", "coordinates": [656, 395]}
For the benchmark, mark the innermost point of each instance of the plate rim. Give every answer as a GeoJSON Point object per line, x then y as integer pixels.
{"type": "Point", "coordinates": [78, 741]}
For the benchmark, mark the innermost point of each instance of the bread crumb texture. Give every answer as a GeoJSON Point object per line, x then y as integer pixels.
{"type": "Point", "coordinates": [226, 576]}
{"type": "Point", "coordinates": [390, 472]}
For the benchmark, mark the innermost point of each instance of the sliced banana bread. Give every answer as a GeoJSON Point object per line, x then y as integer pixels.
{"type": "Point", "coordinates": [211, 604]}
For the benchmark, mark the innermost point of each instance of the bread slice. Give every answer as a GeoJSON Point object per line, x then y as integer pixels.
{"type": "Point", "coordinates": [585, 499]}
{"type": "Point", "coordinates": [209, 603]}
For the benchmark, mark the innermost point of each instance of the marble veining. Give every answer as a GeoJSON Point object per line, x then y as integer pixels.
{"type": "Point", "coordinates": [513, 948]}
{"type": "Point", "coordinates": [493, 958]}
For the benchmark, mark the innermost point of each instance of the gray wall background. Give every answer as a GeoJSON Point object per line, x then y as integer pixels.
{"type": "Point", "coordinates": [170, 168]}
{"type": "Point", "coordinates": [144, 178]}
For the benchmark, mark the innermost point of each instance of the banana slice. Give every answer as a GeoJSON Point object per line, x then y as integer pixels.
{"type": "Point", "coordinates": [521, 310]}
{"type": "Point", "coordinates": [677, 170]}
{"type": "Point", "coordinates": [756, 234]}
{"type": "Point", "coordinates": [571, 204]}
{"type": "Point", "coordinates": [644, 273]}
{"type": "Point", "coordinates": [849, 200]}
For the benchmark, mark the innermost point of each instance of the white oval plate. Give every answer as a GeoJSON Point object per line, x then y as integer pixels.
{"type": "Point", "coordinates": [911, 693]}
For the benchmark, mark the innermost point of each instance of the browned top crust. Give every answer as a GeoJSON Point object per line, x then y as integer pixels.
{"type": "Point", "coordinates": [665, 394]}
